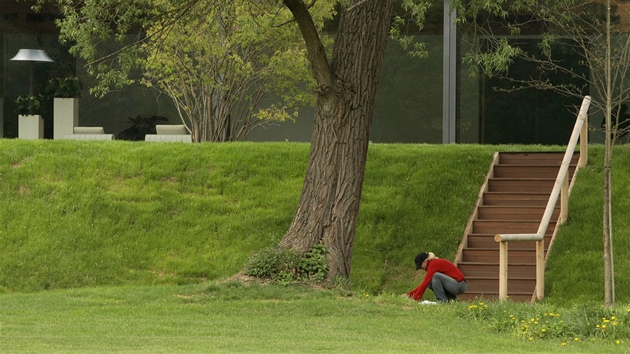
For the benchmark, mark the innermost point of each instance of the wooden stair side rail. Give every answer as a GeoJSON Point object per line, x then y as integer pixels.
{"type": "Point", "coordinates": [464, 243]}
{"type": "Point", "coordinates": [560, 186]}
{"type": "Point", "coordinates": [584, 137]}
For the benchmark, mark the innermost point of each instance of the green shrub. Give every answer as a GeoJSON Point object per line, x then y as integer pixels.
{"type": "Point", "coordinates": [287, 266]}
{"type": "Point", "coordinates": [314, 263]}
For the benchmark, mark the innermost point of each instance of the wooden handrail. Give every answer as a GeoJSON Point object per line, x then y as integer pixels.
{"type": "Point", "coordinates": [580, 132]}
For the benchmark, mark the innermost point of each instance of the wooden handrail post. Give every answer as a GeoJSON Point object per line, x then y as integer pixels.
{"type": "Point", "coordinates": [584, 143]}
{"type": "Point", "coordinates": [564, 201]}
{"type": "Point", "coordinates": [503, 240]}
{"type": "Point", "coordinates": [540, 269]}
{"type": "Point", "coordinates": [503, 270]}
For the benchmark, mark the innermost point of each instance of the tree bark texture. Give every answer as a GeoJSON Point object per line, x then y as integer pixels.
{"type": "Point", "coordinates": [329, 205]}
{"type": "Point", "coordinates": [609, 278]}
{"type": "Point", "coordinates": [609, 283]}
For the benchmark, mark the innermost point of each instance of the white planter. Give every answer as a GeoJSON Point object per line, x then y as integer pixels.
{"type": "Point", "coordinates": [30, 127]}
{"type": "Point", "coordinates": [65, 116]}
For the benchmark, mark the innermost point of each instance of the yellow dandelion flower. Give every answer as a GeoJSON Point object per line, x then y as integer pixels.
{"type": "Point", "coordinates": [531, 338]}
{"type": "Point", "coordinates": [613, 318]}
{"type": "Point", "coordinates": [617, 341]}
{"type": "Point", "coordinates": [576, 339]}
{"type": "Point", "coordinates": [564, 344]}
{"type": "Point", "coordinates": [603, 326]}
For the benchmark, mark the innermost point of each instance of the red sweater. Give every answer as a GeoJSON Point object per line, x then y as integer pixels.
{"type": "Point", "coordinates": [437, 265]}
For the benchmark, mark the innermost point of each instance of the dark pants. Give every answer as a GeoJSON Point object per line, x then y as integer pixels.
{"type": "Point", "coordinates": [446, 288]}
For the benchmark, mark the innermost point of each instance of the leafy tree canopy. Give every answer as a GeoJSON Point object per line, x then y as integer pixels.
{"type": "Point", "coordinates": [228, 65]}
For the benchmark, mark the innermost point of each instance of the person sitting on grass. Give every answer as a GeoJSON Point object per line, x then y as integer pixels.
{"type": "Point", "coordinates": [443, 277]}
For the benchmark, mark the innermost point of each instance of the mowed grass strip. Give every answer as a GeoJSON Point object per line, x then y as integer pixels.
{"type": "Point", "coordinates": [231, 317]}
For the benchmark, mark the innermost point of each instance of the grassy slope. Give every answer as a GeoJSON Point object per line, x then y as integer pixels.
{"type": "Point", "coordinates": [116, 213]}
{"type": "Point", "coordinates": [575, 270]}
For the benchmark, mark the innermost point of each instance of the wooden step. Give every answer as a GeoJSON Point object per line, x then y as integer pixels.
{"type": "Point", "coordinates": [521, 185]}
{"type": "Point", "coordinates": [509, 227]}
{"type": "Point", "coordinates": [523, 199]}
{"type": "Point", "coordinates": [491, 284]}
{"type": "Point", "coordinates": [487, 241]}
{"type": "Point", "coordinates": [492, 255]}
{"type": "Point", "coordinates": [535, 158]}
{"type": "Point", "coordinates": [477, 269]}
{"type": "Point", "coordinates": [504, 212]}
{"type": "Point", "coordinates": [534, 171]}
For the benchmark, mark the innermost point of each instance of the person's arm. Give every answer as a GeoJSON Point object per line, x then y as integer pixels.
{"type": "Point", "coordinates": [418, 292]}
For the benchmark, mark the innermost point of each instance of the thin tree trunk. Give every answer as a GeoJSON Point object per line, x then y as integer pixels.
{"type": "Point", "coordinates": [607, 274]}
{"type": "Point", "coordinates": [609, 296]}
{"type": "Point", "coordinates": [610, 239]}
{"type": "Point", "coordinates": [329, 206]}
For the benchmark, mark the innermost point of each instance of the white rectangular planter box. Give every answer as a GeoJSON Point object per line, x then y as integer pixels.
{"type": "Point", "coordinates": [30, 127]}
{"type": "Point", "coordinates": [65, 116]}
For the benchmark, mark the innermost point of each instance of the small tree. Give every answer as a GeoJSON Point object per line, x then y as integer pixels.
{"type": "Point", "coordinates": [218, 66]}
{"type": "Point", "coordinates": [589, 29]}
{"type": "Point", "coordinates": [229, 66]}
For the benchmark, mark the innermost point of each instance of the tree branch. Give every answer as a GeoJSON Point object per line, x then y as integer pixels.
{"type": "Point", "coordinates": [314, 46]}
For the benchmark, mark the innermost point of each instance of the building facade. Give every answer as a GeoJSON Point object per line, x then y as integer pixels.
{"type": "Point", "coordinates": [433, 100]}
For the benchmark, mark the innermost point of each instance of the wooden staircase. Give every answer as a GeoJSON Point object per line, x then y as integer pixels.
{"type": "Point", "coordinates": [512, 200]}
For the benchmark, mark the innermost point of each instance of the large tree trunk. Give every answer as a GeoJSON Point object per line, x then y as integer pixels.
{"type": "Point", "coordinates": [329, 206]}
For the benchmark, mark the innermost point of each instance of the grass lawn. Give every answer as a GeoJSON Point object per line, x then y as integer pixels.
{"type": "Point", "coordinates": [233, 317]}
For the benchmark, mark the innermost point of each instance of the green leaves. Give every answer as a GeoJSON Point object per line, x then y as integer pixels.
{"type": "Point", "coordinates": [495, 61]}
{"type": "Point", "coordinates": [29, 104]}
{"type": "Point", "coordinates": [65, 87]}
{"type": "Point", "coordinates": [414, 17]}
{"type": "Point", "coordinates": [215, 59]}
{"type": "Point", "coordinates": [286, 266]}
